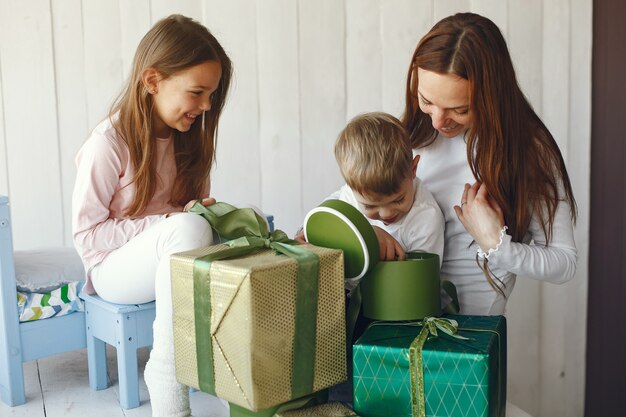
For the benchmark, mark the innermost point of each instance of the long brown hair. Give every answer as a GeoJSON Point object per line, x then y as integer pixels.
{"type": "Point", "coordinates": [509, 149]}
{"type": "Point", "coordinates": [173, 44]}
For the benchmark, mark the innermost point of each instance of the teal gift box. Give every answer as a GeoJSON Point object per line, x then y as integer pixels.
{"type": "Point", "coordinates": [463, 375]}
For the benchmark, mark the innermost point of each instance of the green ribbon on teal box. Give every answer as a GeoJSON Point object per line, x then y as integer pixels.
{"type": "Point", "coordinates": [250, 234]}
{"type": "Point", "coordinates": [461, 378]}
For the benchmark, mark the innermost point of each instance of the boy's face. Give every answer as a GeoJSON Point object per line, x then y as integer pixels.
{"type": "Point", "coordinates": [389, 208]}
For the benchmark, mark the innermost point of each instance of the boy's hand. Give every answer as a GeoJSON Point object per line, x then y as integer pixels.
{"type": "Point", "coordinates": [390, 249]}
{"type": "Point", "coordinates": [300, 236]}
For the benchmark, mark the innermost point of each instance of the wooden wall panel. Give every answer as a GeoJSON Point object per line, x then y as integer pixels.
{"type": "Point", "coordinates": [555, 114]}
{"type": "Point", "coordinates": [236, 177]}
{"type": "Point", "coordinates": [193, 8]}
{"type": "Point", "coordinates": [496, 10]}
{"type": "Point", "coordinates": [578, 157]}
{"type": "Point", "coordinates": [555, 70]}
{"type": "Point", "coordinates": [404, 22]}
{"type": "Point", "coordinates": [30, 120]}
{"type": "Point", "coordinates": [135, 21]}
{"type": "Point", "coordinates": [524, 38]}
{"type": "Point", "coordinates": [364, 61]}
{"type": "Point", "coordinates": [445, 8]}
{"type": "Point", "coordinates": [279, 113]}
{"type": "Point", "coordinates": [71, 97]}
{"type": "Point", "coordinates": [323, 95]}
{"type": "Point", "coordinates": [103, 58]}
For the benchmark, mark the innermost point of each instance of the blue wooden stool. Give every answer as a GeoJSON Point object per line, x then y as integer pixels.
{"type": "Point", "coordinates": [126, 327]}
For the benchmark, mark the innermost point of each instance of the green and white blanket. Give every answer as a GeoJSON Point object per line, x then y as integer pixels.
{"type": "Point", "coordinates": [59, 302]}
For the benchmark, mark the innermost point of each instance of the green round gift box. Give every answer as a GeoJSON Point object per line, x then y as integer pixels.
{"type": "Point", "coordinates": [391, 290]}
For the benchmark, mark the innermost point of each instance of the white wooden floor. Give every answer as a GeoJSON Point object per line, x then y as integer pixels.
{"type": "Point", "coordinates": [59, 386]}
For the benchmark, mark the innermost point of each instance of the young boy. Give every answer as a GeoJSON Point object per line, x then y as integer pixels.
{"type": "Point", "coordinates": [375, 158]}
{"type": "Point", "coordinates": [376, 161]}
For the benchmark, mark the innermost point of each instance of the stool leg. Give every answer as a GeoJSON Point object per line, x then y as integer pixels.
{"type": "Point", "coordinates": [96, 357]}
{"type": "Point", "coordinates": [127, 368]}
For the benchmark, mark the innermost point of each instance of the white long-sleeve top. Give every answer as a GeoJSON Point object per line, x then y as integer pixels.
{"type": "Point", "coordinates": [420, 230]}
{"type": "Point", "coordinates": [444, 170]}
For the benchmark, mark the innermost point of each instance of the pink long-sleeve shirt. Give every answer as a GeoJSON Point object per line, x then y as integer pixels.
{"type": "Point", "coordinates": [103, 191]}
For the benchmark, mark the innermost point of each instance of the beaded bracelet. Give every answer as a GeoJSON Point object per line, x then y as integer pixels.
{"type": "Point", "coordinates": [486, 255]}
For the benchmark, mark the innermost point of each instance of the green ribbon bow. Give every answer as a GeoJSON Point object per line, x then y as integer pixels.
{"type": "Point", "coordinates": [231, 222]}
{"type": "Point", "coordinates": [250, 233]}
{"type": "Point", "coordinates": [430, 326]}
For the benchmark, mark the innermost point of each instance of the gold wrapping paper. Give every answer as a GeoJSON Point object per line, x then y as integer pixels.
{"type": "Point", "coordinates": [253, 301]}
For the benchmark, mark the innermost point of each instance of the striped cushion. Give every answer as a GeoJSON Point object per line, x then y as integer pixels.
{"type": "Point", "coordinates": [59, 302]}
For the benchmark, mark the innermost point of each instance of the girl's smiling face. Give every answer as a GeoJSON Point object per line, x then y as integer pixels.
{"type": "Point", "coordinates": [180, 99]}
{"type": "Point", "coordinates": [445, 98]}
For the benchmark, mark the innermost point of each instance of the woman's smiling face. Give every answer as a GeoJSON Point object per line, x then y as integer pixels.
{"type": "Point", "coordinates": [445, 98]}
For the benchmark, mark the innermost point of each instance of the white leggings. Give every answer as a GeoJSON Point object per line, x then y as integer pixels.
{"type": "Point", "coordinates": [139, 272]}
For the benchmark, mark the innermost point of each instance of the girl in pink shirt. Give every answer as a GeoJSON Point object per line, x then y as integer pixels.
{"type": "Point", "coordinates": [137, 173]}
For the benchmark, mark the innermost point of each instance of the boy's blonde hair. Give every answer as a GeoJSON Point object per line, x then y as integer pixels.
{"type": "Point", "coordinates": [374, 154]}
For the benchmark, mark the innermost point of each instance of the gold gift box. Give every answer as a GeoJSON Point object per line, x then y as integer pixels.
{"type": "Point", "coordinates": [253, 300]}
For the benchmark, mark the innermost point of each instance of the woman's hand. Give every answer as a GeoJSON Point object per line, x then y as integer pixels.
{"type": "Point", "coordinates": [390, 249]}
{"type": "Point", "coordinates": [481, 216]}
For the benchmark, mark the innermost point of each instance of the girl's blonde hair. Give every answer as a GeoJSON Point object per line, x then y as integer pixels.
{"type": "Point", "coordinates": [173, 44]}
{"type": "Point", "coordinates": [374, 154]}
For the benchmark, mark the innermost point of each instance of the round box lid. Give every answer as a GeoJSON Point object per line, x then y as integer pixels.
{"type": "Point", "coordinates": [338, 225]}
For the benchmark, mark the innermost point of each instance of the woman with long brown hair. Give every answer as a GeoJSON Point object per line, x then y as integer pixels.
{"type": "Point", "coordinates": [492, 165]}
{"type": "Point", "coordinates": [139, 170]}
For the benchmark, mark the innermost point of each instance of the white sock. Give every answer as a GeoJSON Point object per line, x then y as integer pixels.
{"type": "Point", "coordinates": [168, 397]}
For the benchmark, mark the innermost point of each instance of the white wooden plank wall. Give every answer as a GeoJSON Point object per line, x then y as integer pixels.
{"type": "Point", "coordinates": [302, 70]}
{"type": "Point", "coordinates": [524, 35]}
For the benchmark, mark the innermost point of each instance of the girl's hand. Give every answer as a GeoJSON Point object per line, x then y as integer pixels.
{"type": "Point", "coordinates": [481, 216]}
{"type": "Point", "coordinates": [390, 249]}
{"type": "Point", "coordinates": [205, 202]}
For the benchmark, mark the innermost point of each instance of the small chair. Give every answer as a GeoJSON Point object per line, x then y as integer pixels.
{"type": "Point", "coordinates": [22, 342]}
{"type": "Point", "coordinates": [126, 327]}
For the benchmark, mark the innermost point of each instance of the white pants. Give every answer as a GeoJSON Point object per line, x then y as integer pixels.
{"type": "Point", "coordinates": [139, 272]}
